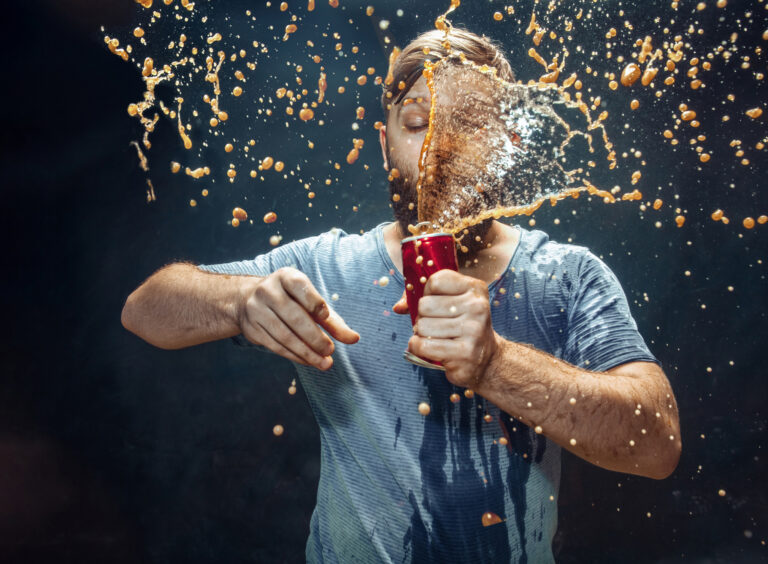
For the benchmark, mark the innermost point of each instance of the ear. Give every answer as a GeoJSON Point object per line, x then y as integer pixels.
{"type": "Point", "coordinates": [383, 141]}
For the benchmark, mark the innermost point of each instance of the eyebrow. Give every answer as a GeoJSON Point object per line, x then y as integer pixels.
{"type": "Point", "coordinates": [412, 100]}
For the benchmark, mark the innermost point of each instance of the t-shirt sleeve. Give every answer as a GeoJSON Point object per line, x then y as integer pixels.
{"type": "Point", "coordinates": [601, 331]}
{"type": "Point", "coordinates": [294, 254]}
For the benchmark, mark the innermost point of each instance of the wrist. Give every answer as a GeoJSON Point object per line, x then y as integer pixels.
{"type": "Point", "coordinates": [246, 286]}
{"type": "Point", "coordinates": [494, 361]}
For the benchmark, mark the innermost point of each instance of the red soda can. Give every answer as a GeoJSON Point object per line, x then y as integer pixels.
{"type": "Point", "coordinates": [424, 255]}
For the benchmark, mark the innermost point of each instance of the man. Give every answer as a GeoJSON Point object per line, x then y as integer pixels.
{"type": "Point", "coordinates": [539, 348]}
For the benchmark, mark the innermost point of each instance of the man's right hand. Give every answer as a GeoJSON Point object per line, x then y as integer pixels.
{"type": "Point", "coordinates": [284, 312]}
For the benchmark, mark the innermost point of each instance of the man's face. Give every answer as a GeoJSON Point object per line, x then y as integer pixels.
{"type": "Point", "coordinates": [401, 144]}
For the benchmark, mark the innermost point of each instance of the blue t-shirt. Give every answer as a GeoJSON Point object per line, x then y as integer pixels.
{"type": "Point", "coordinates": [396, 486]}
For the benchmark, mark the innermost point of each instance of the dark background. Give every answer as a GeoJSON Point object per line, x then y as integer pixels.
{"type": "Point", "coordinates": [112, 450]}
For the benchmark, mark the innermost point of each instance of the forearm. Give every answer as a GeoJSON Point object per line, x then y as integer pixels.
{"type": "Point", "coordinates": [181, 305]}
{"type": "Point", "coordinates": [622, 420]}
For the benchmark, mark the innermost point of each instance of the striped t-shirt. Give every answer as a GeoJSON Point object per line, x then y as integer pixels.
{"type": "Point", "coordinates": [396, 486]}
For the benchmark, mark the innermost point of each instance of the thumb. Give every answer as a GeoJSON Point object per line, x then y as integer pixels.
{"type": "Point", "coordinates": [338, 328]}
{"type": "Point", "coordinates": [401, 306]}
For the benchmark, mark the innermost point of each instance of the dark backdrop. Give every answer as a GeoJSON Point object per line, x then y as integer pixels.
{"type": "Point", "coordinates": [112, 450]}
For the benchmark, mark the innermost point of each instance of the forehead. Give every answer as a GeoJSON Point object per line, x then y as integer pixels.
{"type": "Point", "coordinates": [419, 90]}
{"type": "Point", "coordinates": [453, 92]}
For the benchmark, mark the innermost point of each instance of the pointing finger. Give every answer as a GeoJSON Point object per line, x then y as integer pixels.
{"type": "Point", "coordinates": [338, 328]}
{"type": "Point", "coordinates": [300, 288]}
{"type": "Point", "coordinates": [401, 306]}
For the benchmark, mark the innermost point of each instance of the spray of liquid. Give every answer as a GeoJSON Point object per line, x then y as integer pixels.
{"type": "Point", "coordinates": [498, 149]}
{"type": "Point", "coordinates": [493, 148]}
{"type": "Point", "coordinates": [687, 52]}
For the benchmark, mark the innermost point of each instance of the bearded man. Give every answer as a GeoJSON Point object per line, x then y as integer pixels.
{"type": "Point", "coordinates": [539, 348]}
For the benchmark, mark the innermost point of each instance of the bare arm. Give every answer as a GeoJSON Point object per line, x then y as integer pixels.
{"type": "Point", "coordinates": [181, 305]}
{"type": "Point", "coordinates": [624, 419]}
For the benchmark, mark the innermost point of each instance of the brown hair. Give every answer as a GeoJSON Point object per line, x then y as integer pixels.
{"type": "Point", "coordinates": [408, 65]}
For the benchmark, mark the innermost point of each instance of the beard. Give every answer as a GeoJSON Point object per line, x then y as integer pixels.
{"type": "Point", "coordinates": [404, 198]}
{"type": "Point", "coordinates": [402, 194]}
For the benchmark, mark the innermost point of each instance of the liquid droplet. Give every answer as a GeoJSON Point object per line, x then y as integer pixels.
{"type": "Point", "coordinates": [270, 217]}
{"type": "Point", "coordinates": [630, 74]}
{"type": "Point", "coordinates": [490, 518]}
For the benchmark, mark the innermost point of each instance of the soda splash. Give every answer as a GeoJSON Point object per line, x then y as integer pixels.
{"type": "Point", "coordinates": [227, 72]}
{"type": "Point", "coordinates": [493, 148]}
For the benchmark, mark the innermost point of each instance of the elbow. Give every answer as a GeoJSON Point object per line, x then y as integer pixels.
{"type": "Point", "coordinates": [131, 319]}
{"type": "Point", "coordinates": [666, 458]}
{"type": "Point", "coordinates": [665, 467]}
{"type": "Point", "coordinates": [128, 314]}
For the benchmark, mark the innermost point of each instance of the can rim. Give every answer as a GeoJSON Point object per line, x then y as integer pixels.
{"type": "Point", "coordinates": [415, 237]}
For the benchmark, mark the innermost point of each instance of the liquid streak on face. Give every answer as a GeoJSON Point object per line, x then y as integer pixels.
{"type": "Point", "coordinates": [405, 133]}
{"type": "Point", "coordinates": [406, 128]}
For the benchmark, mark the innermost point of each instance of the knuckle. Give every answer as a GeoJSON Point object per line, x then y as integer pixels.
{"type": "Point", "coordinates": [477, 307]}
{"type": "Point", "coordinates": [261, 293]}
{"type": "Point", "coordinates": [467, 352]}
{"type": "Point", "coordinates": [435, 281]}
{"type": "Point", "coordinates": [251, 305]}
{"type": "Point", "coordinates": [269, 284]}
{"type": "Point", "coordinates": [281, 273]}
{"type": "Point", "coordinates": [290, 275]}
{"type": "Point", "coordinates": [317, 306]}
{"type": "Point", "coordinates": [274, 296]}
{"type": "Point", "coordinates": [479, 286]}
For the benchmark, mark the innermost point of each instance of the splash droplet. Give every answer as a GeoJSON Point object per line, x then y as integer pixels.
{"type": "Point", "coordinates": [490, 518]}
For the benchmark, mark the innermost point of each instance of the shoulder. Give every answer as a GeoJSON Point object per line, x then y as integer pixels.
{"type": "Point", "coordinates": [340, 244]}
{"type": "Point", "coordinates": [333, 240]}
{"type": "Point", "coordinates": [343, 255]}
{"type": "Point", "coordinates": [537, 245]}
{"type": "Point", "coordinates": [317, 253]}
{"type": "Point", "coordinates": [541, 256]}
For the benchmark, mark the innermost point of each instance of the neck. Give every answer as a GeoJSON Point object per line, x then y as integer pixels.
{"type": "Point", "coordinates": [474, 248]}
{"type": "Point", "coordinates": [472, 242]}
{"type": "Point", "coordinates": [483, 255]}
{"type": "Point", "coordinates": [486, 263]}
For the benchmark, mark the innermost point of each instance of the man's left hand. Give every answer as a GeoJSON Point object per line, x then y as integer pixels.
{"type": "Point", "coordinates": [454, 326]}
